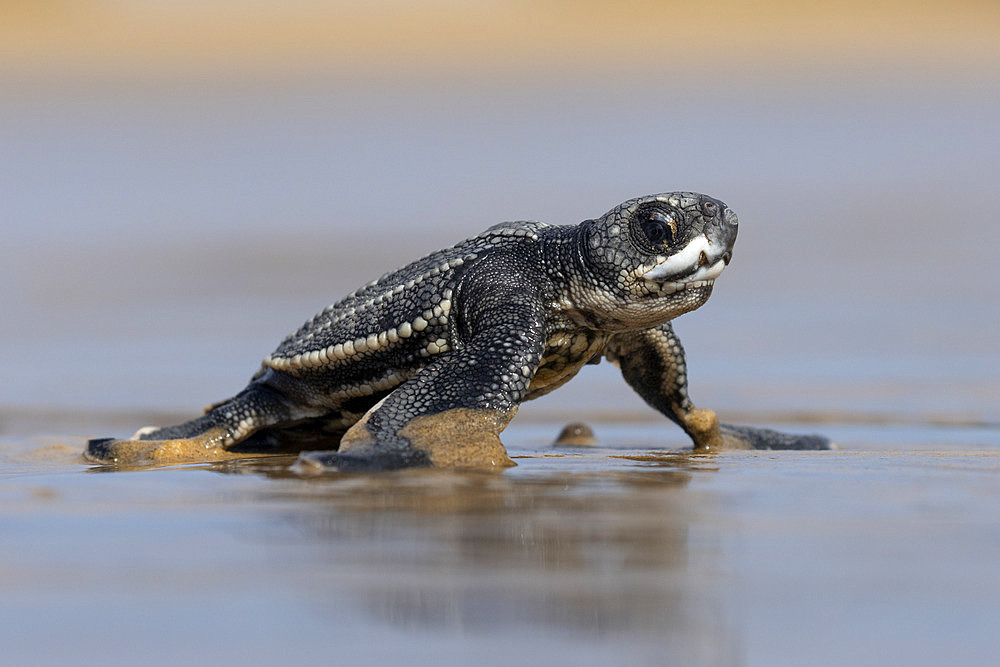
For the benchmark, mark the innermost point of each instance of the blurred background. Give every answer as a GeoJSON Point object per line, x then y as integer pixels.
{"type": "Point", "coordinates": [183, 183]}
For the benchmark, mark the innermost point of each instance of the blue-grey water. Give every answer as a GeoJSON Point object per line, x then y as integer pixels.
{"type": "Point", "coordinates": [159, 240]}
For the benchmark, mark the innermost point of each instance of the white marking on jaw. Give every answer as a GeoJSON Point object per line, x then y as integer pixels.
{"type": "Point", "coordinates": [707, 273]}
{"type": "Point", "coordinates": [703, 277]}
{"type": "Point", "coordinates": [682, 261]}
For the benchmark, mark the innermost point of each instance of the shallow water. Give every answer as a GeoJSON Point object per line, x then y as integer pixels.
{"type": "Point", "coordinates": [624, 552]}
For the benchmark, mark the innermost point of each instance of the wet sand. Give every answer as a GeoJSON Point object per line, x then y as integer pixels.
{"type": "Point", "coordinates": [620, 552]}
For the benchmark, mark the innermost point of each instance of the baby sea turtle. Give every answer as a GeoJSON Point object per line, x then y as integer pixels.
{"type": "Point", "coordinates": [428, 364]}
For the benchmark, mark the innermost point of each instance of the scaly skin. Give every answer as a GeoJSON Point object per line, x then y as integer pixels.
{"type": "Point", "coordinates": [428, 364]}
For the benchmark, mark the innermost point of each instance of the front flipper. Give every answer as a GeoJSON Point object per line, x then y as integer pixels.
{"type": "Point", "coordinates": [749, 437]}
{"type": "Point", "coordinates": [653, 363]}
{"type": "Point", "coordinates": [454, 438]}
{"type": "Point", "coordinates": [451, 413]}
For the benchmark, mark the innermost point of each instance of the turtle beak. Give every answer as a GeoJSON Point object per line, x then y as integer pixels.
{"type": "Point", "coordinates": [698, 261]}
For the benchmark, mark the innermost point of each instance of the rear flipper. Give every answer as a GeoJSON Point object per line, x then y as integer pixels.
{"type": "Point", "coordinates": [209, 446]}
{"type": "Point", "coordinates": [206, 438]}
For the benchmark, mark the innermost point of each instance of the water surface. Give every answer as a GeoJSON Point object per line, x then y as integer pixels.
{"type": "Point", "coordinates": [624, 552]}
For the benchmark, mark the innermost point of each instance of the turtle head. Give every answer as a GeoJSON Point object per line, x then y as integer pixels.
{"type": "Point", "coordinates": [654, 258]}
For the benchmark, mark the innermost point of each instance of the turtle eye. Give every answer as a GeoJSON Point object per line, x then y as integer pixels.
{"type": "Point", "coordinates": [659, 227]}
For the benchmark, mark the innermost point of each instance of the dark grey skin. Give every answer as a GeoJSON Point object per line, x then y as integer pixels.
{"type": "Point", "coordinates": [427, 365]}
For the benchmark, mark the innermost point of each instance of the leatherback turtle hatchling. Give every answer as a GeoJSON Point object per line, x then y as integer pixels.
{"type": "Point", "coordinates": [427, 364]}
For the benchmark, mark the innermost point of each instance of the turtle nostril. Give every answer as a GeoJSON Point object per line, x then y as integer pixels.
{"type": "Point", "coordinates": [726, 258]}
{"type": "Point", "coordinates": [702, 259]}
